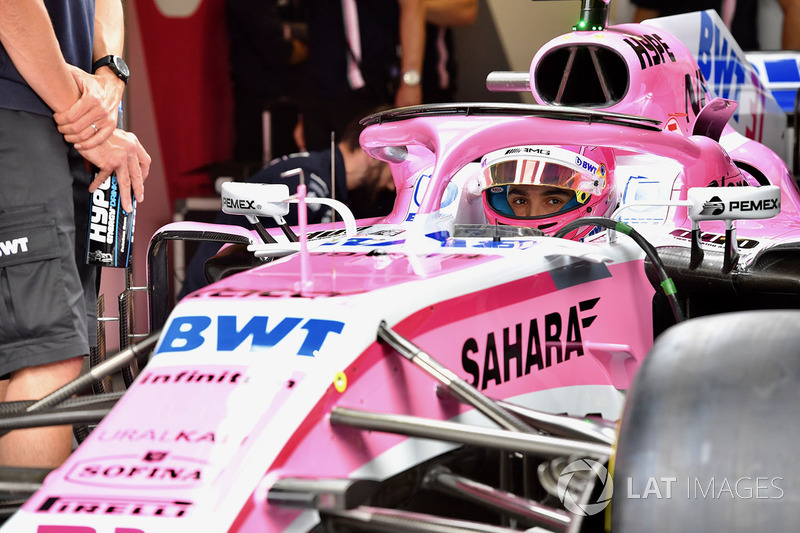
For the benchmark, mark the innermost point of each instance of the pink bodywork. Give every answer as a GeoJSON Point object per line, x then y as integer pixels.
{"type": "Point", "coordinates": [197, 441]}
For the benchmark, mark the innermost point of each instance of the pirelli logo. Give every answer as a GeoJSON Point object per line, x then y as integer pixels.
{"type": "Point", "coordinates": [122, 506]}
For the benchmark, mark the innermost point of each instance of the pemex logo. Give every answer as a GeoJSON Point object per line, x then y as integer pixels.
{"type": "Point", "coordinates": [714, 207]}
{"type": "Point", "coordinates": [575, 476]}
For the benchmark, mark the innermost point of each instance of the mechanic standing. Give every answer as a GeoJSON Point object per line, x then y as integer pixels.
{"type": "Point", "coordinates": [353, 62]}
{"type": "Point", "coordinates": [55, 116]}
{"type": "Point", "coordinates": [439, 70]}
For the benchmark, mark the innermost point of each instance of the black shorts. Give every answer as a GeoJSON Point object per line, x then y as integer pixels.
{"type": "Point", "coordinates": [47, 292]}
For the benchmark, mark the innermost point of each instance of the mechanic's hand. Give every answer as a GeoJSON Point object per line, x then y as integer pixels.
{"type": "Point", "coordinates": [124, 154]}
{"type": "Point", "coordinates": [93, 118]}
{"type": "Point", "coordinates": [407, 95]}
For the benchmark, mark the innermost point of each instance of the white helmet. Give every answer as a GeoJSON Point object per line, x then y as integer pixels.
{"type": "Point", "coordinates": [545, 187]}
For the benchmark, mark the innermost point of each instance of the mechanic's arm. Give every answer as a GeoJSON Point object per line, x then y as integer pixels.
{"type": "Point", "coordinates": [100, 93]}
{"type": "Point", "coordinates": [451, 12]}
{"type": "Point", "coordinates": [412, 45]}
{"type": "Point", "coordinates": [791, 23]}
{"type": "Point", "coordinates": [28, 36]}
{"type": "Point", "coordinates": [30, 41]}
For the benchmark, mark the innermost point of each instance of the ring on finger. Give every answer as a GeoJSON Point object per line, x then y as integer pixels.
{"type": "Point", "coordinates": [93, 127]}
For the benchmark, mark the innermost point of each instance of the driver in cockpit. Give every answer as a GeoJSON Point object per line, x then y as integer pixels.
{"type": "Point", "coordinates": [545, 187]}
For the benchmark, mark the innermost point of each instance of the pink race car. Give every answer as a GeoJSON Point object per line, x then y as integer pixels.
{"type": "Point", "coordinates": [579, 316]}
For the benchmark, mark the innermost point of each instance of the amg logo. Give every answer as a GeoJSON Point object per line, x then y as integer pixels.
{"type": "Point", "coordinates": [238, 204]}
{"type": "Point", "coordinates": [527, 150]}
{"type": "Point", "coordinates": [755, 205]}
{"type": "Point", "coordinates": [14, 246]}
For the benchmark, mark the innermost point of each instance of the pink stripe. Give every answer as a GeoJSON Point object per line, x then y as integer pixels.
{"type": "Point", "coordinates": [440, 314]}
{"type": "Point", "coordinates": [353, 35]}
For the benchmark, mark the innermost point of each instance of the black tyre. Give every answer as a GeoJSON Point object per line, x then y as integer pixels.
{"type": "Point", "coordinates": [709, 436]}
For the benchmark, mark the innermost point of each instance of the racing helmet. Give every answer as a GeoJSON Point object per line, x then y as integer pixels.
{"type": "Point", "coordinates": [545, 187]}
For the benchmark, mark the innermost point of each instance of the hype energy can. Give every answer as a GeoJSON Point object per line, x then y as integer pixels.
{"type": "Point", "coordinates": [110, 235]}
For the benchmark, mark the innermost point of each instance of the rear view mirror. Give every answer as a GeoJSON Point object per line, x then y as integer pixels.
{"type": "Point", "coordinates": [255, 199]}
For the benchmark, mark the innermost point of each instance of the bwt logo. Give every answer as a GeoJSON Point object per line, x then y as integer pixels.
{"type": "Point", "coordinates": [718, 61]}
{"type": "Point", "coordinates": [14, 246]}
{"type": "Point", "coordinates": [586, 165]}
{"type": "Point", "coordinates": [185, 333]}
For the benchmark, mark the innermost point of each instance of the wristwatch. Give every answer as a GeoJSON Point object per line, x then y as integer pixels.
{"type": "Point", "coordinates": [412, 78]}
{"type": "Point", "coordinates": [116, 64]}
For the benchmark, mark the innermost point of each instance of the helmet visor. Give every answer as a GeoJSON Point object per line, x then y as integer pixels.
{"type": "Point", "coordinates": [550, 166]}
{"type": "Point", "coordinates": [523, 201]}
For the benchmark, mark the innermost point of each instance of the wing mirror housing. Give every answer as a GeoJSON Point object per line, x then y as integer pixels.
{"type": "Point", "coordinates": [729, 204]}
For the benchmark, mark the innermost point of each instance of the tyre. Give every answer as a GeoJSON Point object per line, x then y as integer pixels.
{"type": "Point", "coordinates": [708, 439]}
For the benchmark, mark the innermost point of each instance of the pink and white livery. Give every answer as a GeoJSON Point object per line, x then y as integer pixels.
{"type": "Point", "coordinates": [456, 366]}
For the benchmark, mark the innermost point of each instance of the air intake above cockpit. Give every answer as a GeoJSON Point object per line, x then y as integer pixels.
{"type": "Point", "coordinates": [581, 76]}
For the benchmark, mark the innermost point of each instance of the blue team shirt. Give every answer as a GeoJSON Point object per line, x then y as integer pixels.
{"type": "Point", "coordinates": [73, 22]}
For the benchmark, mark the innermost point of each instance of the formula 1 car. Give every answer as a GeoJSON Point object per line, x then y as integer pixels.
{"type": "Point", "coordinates": [439, 370]}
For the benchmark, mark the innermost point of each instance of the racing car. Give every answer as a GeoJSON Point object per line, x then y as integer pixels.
{"type": "Point", "coordinates": [628, 363]}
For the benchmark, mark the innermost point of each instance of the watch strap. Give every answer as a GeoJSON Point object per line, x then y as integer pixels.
{"type": "Point", "coordinates": [111, 61]}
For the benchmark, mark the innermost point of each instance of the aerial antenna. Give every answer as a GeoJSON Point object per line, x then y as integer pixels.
{"type": "Point", "coordinates": [594, 15]}
{"type": "Point", "coordinates": [333, 175]}
{"type": "Point", "coordinates": [306, 283]}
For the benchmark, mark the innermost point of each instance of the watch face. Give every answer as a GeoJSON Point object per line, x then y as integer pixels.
{"type": "Point", "coordinates": [411, 78]}
{"type": "Point", "coordinates": [121, 67]}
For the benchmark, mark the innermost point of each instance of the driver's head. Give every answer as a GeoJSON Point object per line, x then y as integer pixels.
{"type": "Point", "coordinates": [545, 187]}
